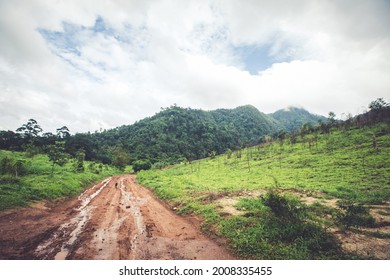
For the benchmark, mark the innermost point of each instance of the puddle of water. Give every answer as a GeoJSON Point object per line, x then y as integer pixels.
{"type": "Point", "coordinates": [61, 255]}
{"type": "Point", "coordinates": [87, 200]}
{"type": "Point", "coordinates": [78, 222]}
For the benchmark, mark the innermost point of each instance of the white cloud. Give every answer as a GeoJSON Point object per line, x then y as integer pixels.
{"type": "Point", "coordinates": [56, 67]}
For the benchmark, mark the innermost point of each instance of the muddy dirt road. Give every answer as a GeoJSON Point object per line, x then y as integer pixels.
{"type": "Point", "coordinates": [115, 219]}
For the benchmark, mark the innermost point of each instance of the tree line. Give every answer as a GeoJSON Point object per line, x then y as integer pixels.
{"type": "Point", "coordinates": [178, 134]}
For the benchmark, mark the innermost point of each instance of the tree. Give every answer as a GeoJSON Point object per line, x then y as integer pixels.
{"type": "Point", "coordinates": [249, 158]}
{"type": "Point", "coordinates": [293, 138]}
{"type": "Point", "coordinates": [307, 128]}
{"type": "Point", "coordinates": [18, 167]}
{"type": "Point", "coordinates": [31, 149]}
{"type": "Point", "coordinates": [348, 120]}
{"type": "Point", "coordinates": [379, 111]}
{"type": "Point", "coordinates": [139, 165]}
{"type": "Point", "coordinates": [30, 130]}
{"type": "Point", "coordinates": [48, 138]}
{"type": "Point", "coordinates": [120, 158]}
{"type": "Point", "coordinates": [267, 139]}
{"type": "Point", "coordinates": [63, 132]}
{"type": "Point", "coordinates": [332, 118]}
{"type": "Point", "coordinates": [374, 142]}
{"type": "Point", "coordinates": [6, 164]}
{"type": "Point", "coordinates": [11, 166]}
{"type": "Point", "coordinates": [378, 104]}
{"type": "Point", "coordinates": [79, 161]}
{"type": "Point", "coordinates": [229, 153]}
{"type": "Point", "coordinates": [10, 140]}
{"type": "Point", "coordinates": [57, 155]}
{"type": "Point", "coordinates": [83, 141]}
{"type": "Point", "coordinates": [281, 137]}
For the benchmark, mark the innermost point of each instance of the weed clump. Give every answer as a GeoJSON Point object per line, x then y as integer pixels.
{"type": "Point", "coordinates": [354, 215]}
{"type": "Point", "coordinates": [281, 230]}
{"type": "Point", "coordinates": [24, 180]}
{"type": "Point", "coordinates": [283, 207]}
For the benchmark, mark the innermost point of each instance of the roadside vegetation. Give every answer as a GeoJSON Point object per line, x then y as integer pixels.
{"type": "Point", "coordinates": [25, 179]}
{"type": "Point", "coordinates": [36, 165]}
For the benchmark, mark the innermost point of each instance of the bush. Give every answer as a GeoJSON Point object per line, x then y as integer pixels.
{"type": "Point", "coordinates": [160, 165]}
{"type": "Point", "coordinates": [354, 215]}
{"type": "Point", "coordinates": [6, 166]}
{"type": "Point", "coordinates": [139, 165]}
{"type": "Point", "coordinates": [78, 164]}
{"type": "Point", "coordinates": [9, 180]}
{"type": "Point", "coordinates": [284, 207]}
{"type": "Point", "coordinates": [12, 167]}
{"type": "Point", "coordinates": [281, 230]}
{"type": "Point", "coordinates": [274, 238]}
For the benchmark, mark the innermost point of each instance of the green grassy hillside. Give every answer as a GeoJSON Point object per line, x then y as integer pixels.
{"type": "Point", "coordinates": [270, 184]}
{"type": "Point", "coordinates": [36, 182]}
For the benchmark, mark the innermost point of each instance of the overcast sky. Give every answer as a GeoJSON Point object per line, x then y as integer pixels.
{"type": "Point", "coordinates": [101, 64]}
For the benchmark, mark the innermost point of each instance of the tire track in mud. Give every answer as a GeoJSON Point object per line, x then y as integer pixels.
{"type": "Point", "coordinates": [119, 219]}
{"type": "Point", "coordinates": [70, 229]}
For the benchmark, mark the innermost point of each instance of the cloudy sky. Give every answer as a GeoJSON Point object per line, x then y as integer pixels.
{"type": "Point", "coordinates": [92, 64]}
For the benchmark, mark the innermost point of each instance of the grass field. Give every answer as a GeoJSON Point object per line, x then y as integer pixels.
{"type": "Point", "coordinates": [280, 200]}
{"type": "Point", "coordinates": [343, 166]}
{"type": "Point", "coordinates": [37, 182]}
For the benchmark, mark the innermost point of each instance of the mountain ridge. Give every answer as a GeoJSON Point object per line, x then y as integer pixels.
{"type": "Point", "coordinates": [175, 133]}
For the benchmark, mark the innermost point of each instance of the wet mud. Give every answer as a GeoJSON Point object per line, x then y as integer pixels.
{"type": "Point", "coordinates": [115, 219]}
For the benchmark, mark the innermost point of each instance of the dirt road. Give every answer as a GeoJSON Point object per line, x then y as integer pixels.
{"type": "Point", "coordinates": [115, 219]}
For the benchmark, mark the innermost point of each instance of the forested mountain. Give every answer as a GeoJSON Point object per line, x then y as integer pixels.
{"type": "Point", "coordinates": [178, 134]}
{"type": "Point", "coordinates": [247, 122]}
{"type": "Point", "coordinates": [292, 118]}
{"type": "Point", "coordinates": [174, 134]}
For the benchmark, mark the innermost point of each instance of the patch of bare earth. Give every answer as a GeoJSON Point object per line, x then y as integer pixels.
{"type": "Point", "coordinates": [226, 204]}
{"type": "Point", "coordinates": [115, 219]}
{"type": "Point", "coordinates": [363, 242]}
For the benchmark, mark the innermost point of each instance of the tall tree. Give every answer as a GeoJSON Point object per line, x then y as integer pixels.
{"type": "Point", "coordinates": [378, 104]}
{"type": "Point", "coordinates": [63, 132]}
{"type": "Point", "coordinates": [332, 118]}
{"type": "Point", "coordinates": [30, 129]}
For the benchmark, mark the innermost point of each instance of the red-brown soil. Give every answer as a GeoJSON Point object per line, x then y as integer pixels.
{"type": "Point", "coordinates": [115, 219]}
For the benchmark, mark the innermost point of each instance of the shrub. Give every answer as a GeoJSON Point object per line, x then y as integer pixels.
{"type": "Point", "coordinates": [354, 215]}
{"type": "Point", "coordinates": [6, 166]}
{"type": "Point", "coordinates": [12, 167]}
{"type": "Point", "coordinates": [284, 207]}
{"type": "Point", "coordinates": [139, 165]}
{"type": "Point", "coordinates": [160, 165]}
